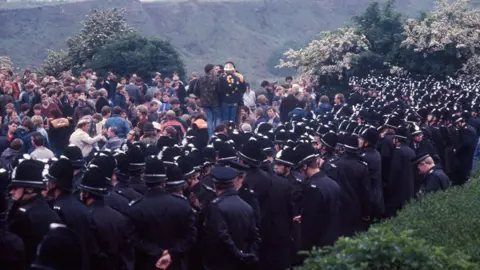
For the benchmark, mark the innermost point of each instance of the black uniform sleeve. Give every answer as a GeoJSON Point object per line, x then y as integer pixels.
{"type": "Point", "coordinates": [189, 236]}
{"type": "Point", "coordinates": [313, 223]}
{"type": "Point", "coordinates": [432, 183]}
{"type": "Point", "coordinates": [216, 225]}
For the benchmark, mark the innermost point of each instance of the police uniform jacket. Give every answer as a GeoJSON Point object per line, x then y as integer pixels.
{"type": "Point", "coordinates": [321, 212]}
{"type": "Point", "coordinates": [399, 188]}
{"type": "Point", "coordinates": [386, 149]}
{"type": "Point", "coordinates": [374, 162]}
{"type": "Point", "coordinates": [125, 190]}
{"type": "Point", "coordinates": [249, 197]}
{"type": "Point", "coordinates": [31, 222]}
{"type": "Point", "coordinates": [12, 250]}
{"type": "Point", "coordinates": [162, 222]}
{"type": "Point", "coordinates": [435, 180]}
{"type": "Point", "coordinates": [114, 234]}
{"type": "Point", "coordinates": [77, 217]}
{"type": "Point", "coordinates": [276, 215]}
{"type": "Point", "coordinates": [356, 193]}
{"type": "Point", "coordinates": [466, 147]}
{"type": "Point", "coordinates": [231, 233]}
{"type": "Point", "coordinates": [116, 201]}
{"type": "Point", "coordinates": [136, 182]}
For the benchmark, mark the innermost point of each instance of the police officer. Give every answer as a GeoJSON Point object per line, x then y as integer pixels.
{"type": "Point", "coordinates": [276, 208]}
{"type": "Point", "coordinates": [246, 194]}
{"type": "Point", "coordinates": [60, 249]}
{"type": "Point", "coordinates": [199, 194]}
{"type": "Point", "coordinates": [368, 143]}
{"type": "Point", "coordinates": [107, 164]}
{"type": "Point", "coordinates": [136, 158]}
{"type": "Point", "coordinates": [30, 215]}
{"type": "Point", "coordinates": [464, 150]}
{"type": "Point", "coordinates": [320, 217]}
{"type": "Point", "coordinates": [164, 223]}
{"type": "Point", "coordinates": [114, 229]}
{"type": "Point", "coordinates": [435, 179]}
{"type": "Point", "coordinates": [231, 234]}
{"type": "Point", "coordinates": [354, 182]}
{"type": "Point", "coordinates": [72, 212]}
{"type": "Point", "coordinates": [399, 187]}
{"type": "Point", "coordinates": [11, 247]}
{"type": "Point", "coordinates": [120, 178]}
{"type": "Point", "coordinates": [75, 156]}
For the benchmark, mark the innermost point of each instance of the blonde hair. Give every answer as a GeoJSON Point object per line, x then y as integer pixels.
{"type": "Point", "coordinates": [37, 120]}
{"type": "Point", "coordinates": [428, 161]}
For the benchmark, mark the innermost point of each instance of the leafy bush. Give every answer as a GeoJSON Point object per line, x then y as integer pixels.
{"type": "Point", "coordinates": [136, 54]}
{"type": "Point", "coordinates": [449, 219]}
{"type": "Point", "coordinates": [383, 249]}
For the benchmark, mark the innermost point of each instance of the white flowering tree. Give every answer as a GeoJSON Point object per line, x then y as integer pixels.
{"type": "Point", "coordinates": [449, 34]}
{"type": "Point", "coordinates": [330, 56]}
{"type": "Point", "coordinates": [99, 28]}
{"type": "Point", "coordinates": [6, 62]}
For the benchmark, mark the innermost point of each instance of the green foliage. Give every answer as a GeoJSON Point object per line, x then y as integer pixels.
{"type": "Point", "coordinates": [449, 219]}
{"type": "Point", "coordinates": [99, 28]}
{"type": "Point", "coordinates": [56, 62]}
{"type": "Point", "coordinates": [136, 54]}
{"type": "Point", "coordinates": [383, 27]}
{"type": "Point", "coordinates": [382, 249]}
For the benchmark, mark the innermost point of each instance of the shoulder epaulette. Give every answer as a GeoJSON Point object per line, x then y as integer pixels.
{"type": "Point", "coordinates": [363, 162]}
{"type": "Point", "coordinates": [179, 196]}
{"type": "Point", "coordinates": [313, 186]}
{"type": "Point", "coordinates": [298, 180]}
{"type": "Point", "coordinates": [216, 200]}
{"type": "Point", "coordinates": [57, 208]}
{"type": "Point", "coordinates": [208, 188]}
{"type": "Point", "coordinates": [133, 202]}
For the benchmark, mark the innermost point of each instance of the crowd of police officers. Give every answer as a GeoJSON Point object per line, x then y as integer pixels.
{"type": "Point", "coordinates": [246, 200]}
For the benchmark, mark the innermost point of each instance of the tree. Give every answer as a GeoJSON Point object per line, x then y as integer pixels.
{"type": "Point", "coordinates": [383, 27]}
{"type": "Point", "coordinates": [328, 58]}
{"type": "Point", "coordinates": [6, 62]}
{"type": "Point", "coordinates": [136, 54]}
{"type": "Point", "coordinates": [447, 38]}
{"type": "Point", "coordinates": [99, 28]}
{"type": "Point", "coordinates": [56, 62]}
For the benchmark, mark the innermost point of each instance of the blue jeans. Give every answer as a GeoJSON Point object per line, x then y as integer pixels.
{"type": "Point", "coordinates": [214, 117]}
{"type": "Point", "coordinates": [229, 112]}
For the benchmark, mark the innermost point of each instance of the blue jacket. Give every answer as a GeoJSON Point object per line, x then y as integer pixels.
{"type": "Point", "coordinates": [120, 124]}
{"type": "Point", "coordinates": [323, 108]}
{"type": "Point", "coordinates": [120, 101]}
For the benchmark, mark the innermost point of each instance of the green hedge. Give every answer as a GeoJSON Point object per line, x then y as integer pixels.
{"type": "Point", "coordinates": [439, 231]}
{"type": "Point", "coordinates": [382, 249]}
{"type": "Point", "coordinates": [449, 219]}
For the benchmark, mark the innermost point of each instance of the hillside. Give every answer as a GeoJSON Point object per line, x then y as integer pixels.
{"type": "Point", "coordinates": [246, 32]}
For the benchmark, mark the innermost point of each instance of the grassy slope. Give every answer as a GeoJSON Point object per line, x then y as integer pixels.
{"type": "Point", "coordinates": [244, 32]}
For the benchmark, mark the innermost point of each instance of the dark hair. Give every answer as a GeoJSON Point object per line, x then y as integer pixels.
{"type": "Point", "coordinates": [29, 124]}
{"type": "Point", "coordinates": [208, 68]}
{"type": "Point", "coordinates": [171, 131]}
{"type": "Point", "coordinates": [51, 92]}
{"type": "Point", "coordinates": [264, 83]}
{"type": "Point", "coordinates": [174, 101]}
{"type": "Point", "coordinates": [288, 78]}
{"type": "Point", "coordinates": [106, 110]}
{"type": "Point", "coordinates": [38, 139]}
{"type": "Point", "coordinates": [117, 110]}
{"type": "Point", "coordinates": [55, 113]}
{"type": "Point", "coordinates": [37, 107]}
{"type": "Point", "coordinates": [25, 107]}
{"type": "Point", "coordinates": [99, 80]}
{"type": "Point", "coordinates": [177, 111]}
{"type": "Point", "coordinates": [192, 105]}
{"type": "Point", "coordinates": [11, 122]}
{"type": "Point", "coordinates": [16, 144]}
{"type": "Point", "coordinates": [86, 111]}
{"type": "Point", "coordinates": [220, 127]}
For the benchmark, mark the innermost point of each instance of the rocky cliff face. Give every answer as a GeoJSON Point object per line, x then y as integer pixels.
{"type": "Point", "coordinates": [246, 32]}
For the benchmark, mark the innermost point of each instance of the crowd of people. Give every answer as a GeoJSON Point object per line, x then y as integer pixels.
{"type": "Point", "coordinates": [110, 173]}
